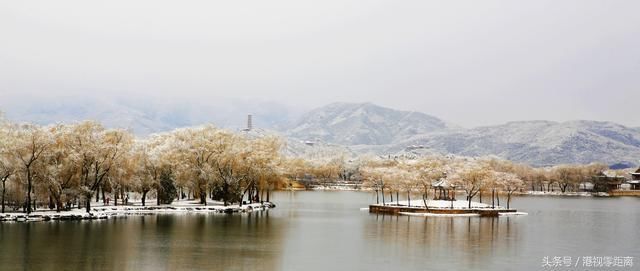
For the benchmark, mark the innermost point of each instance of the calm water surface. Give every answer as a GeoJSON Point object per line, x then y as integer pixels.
{"type": "Point", "coordinates": [327, 231]}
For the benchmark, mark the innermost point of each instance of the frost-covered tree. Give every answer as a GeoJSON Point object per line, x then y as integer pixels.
{"type": "Point", "coordinates": [429, 170]}
{"type": "Point", "coordinates": [96, 150]}
{"type": "Point", "coordinates": [29, 144]}
{"type": "Point", "coordinates": [472, 179]}
{"type": "Point", "coordinates": [510, 182]}
{"type": "Point", "coordinates": [58, 172]}
{"type": "Point", "coordinates": [7, 160]}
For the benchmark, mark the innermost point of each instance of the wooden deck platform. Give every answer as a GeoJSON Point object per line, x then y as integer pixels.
{"type": "Point", "coordinates": [392, 209]}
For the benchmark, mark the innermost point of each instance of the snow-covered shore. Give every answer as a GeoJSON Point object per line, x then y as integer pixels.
{"type": "Point", "coordinates": [442, 208]}
{"type": "Point", "coordinates": [566, 194]}
{"type": "Point", "coordinates": [134, 209]}
{"type": "Point", "coordinates": [443, 204]}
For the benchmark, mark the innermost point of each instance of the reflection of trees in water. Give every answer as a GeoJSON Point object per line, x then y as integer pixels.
{"type": "Point", "coordinates": [76, 245]}
{"type": "Point", "coordinates": [164, 242]}
{"type": "Point", "coordinates": [442, 241]}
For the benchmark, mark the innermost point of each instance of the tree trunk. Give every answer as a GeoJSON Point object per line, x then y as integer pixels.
{"type": "Point", "coordinates": [144, 197]}
{"type": "Point", "coordinates": [28, 191]}
{"type": "Point", "coordinates": [493, 198]}
{"type": "Point", "coordinates": [398, 197]}
{"type": "Point", "coordinates": [508, 199]}
{"type": "Point", "coordinates": [88, 207]}
{"type": "Point", "coordinates": [203, 197]}
{"type": "Point", "coordinates": [424, 200]}
{"type": "Point", "coordinates": [383, 203]}
{"type": "Point", "coordinates": [225, 193]}
{"type": "Point", "coordinates": [58, 205]}
{"type": "Point", "coordinates": [408, 199]}
{"type": "Point", "coordinates": [426, 197]}
{"type": "Point", "coordinates": [104, 199]}
{"type": "Point", "coordinates": [97, 194]}
{"type": "Point", "coordinates": [480, 196]}
{"type": "Point", "coordinates": [377, 197]}
{"type": "Point", "coordinates": [268, 200]}
{"type": "Point", "coordinates": [3, 193]}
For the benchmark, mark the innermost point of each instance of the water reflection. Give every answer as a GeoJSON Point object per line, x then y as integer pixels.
{"type": "Point", "coordinates": [434, 240]}
{"type": "Point", "coordinates": [164, 242]}
{"type": "Point", "coordinates": [327, 231]}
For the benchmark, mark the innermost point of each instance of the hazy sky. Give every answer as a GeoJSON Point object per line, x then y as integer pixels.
{"type": "Point", "coordinates": [468, 62]}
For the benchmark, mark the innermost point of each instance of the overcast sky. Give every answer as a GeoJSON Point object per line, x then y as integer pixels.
{"type": "Point", "coordinates": [469, 62]}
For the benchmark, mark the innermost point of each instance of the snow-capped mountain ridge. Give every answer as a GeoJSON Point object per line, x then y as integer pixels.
{"type": "Point", "coordinates": [366, 123]}
{"type": "Point", "coordinates": [355, 128]}
{"type": "Point", "coordinates": [537, 142]}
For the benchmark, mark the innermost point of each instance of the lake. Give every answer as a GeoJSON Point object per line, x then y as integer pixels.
{"type": "Point", "coordinates": [326, 230]}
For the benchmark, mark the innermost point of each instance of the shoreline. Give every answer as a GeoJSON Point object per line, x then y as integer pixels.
{"type": "Point", "coordinates": [444, 208]}
{"type": "Point", "coordinates": [111, 211]}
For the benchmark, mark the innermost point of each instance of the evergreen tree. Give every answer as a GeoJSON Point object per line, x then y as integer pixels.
{"type": "Point", "coordinates": [167, 191]}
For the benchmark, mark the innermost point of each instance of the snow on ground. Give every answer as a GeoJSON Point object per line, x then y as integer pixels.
{"type": "Point", "coordinates": [559, 193]}
{"type": "Point", "coordinates": [513, 214]}
{"type": "Point", "coordinates": [101, 211]}
{"type": "Point", "coordinates": [439, 215]}
{"type": "Point", "coordinates": [445, 204]}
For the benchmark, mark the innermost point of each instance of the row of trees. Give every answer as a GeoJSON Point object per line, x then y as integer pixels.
{"type": "Point", "coordinates": [471, 176]}
{"type": "Point", "coordinates": [418, 176]}
{"type": "Point", "coordinates": [67, 165]}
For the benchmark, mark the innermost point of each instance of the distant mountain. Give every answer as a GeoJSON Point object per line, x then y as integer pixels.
{"type": "Point", "coordinates": [145, 116]}
{"type": "Point", "coordinates": [368, 128]}
{"type": "Point", "coordinates": [538, 142]}
{"type": "Point", "coordinates": [351, 128]}
{"type": "Point", "coordinates": [363, 124]}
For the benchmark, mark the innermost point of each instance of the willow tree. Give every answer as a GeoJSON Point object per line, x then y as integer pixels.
{"type": "Point", "coordinates": [153, 159]}
{"type": "Point", "coordinates": [294, 169]}
{"type": "Point", "coordinates": [58, 172]}
{"type": "Point", "coordinates": [29, 142]}
{"type": "Point", "coordinates": [210, 155]}
{"type": "Point", "coordinates": [472, 180]}
{"type": "Point", "coordinates": [378, 174]}
{"type": "Point", "coordinates": [259, 169]}
{"type": "Point", "coordinates": [567, 175]}
{"type": "Point", "coordinates": [372, 178]}
{"type": "Point", "coordinates": [7, 162]}
{"type": "Point", "coordinates": [146, 173]}
{"type": "Point", "coordinates": [510, 183]}
{"type": "Point", "coordinates": [429, 171]}
{"type": "Point", "coordinates": [96, 151]}
{"type": "Point", "coordinates": [408, 180]}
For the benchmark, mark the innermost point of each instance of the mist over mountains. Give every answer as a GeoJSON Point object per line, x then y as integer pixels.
{"type": "Point", "coordinates": [147, 115]}
{"type": "Point", "coordinates": [353, 128]}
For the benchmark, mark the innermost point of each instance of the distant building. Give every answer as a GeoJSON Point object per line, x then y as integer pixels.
{"type": "Point", "coordinates": [249, 123]}
{"type": "Point", "coordinates": [606, 181]}
{"type": "Point", "coordinates": [635, 180]}
{"type": "Point", "coordinates": [443, 190]}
